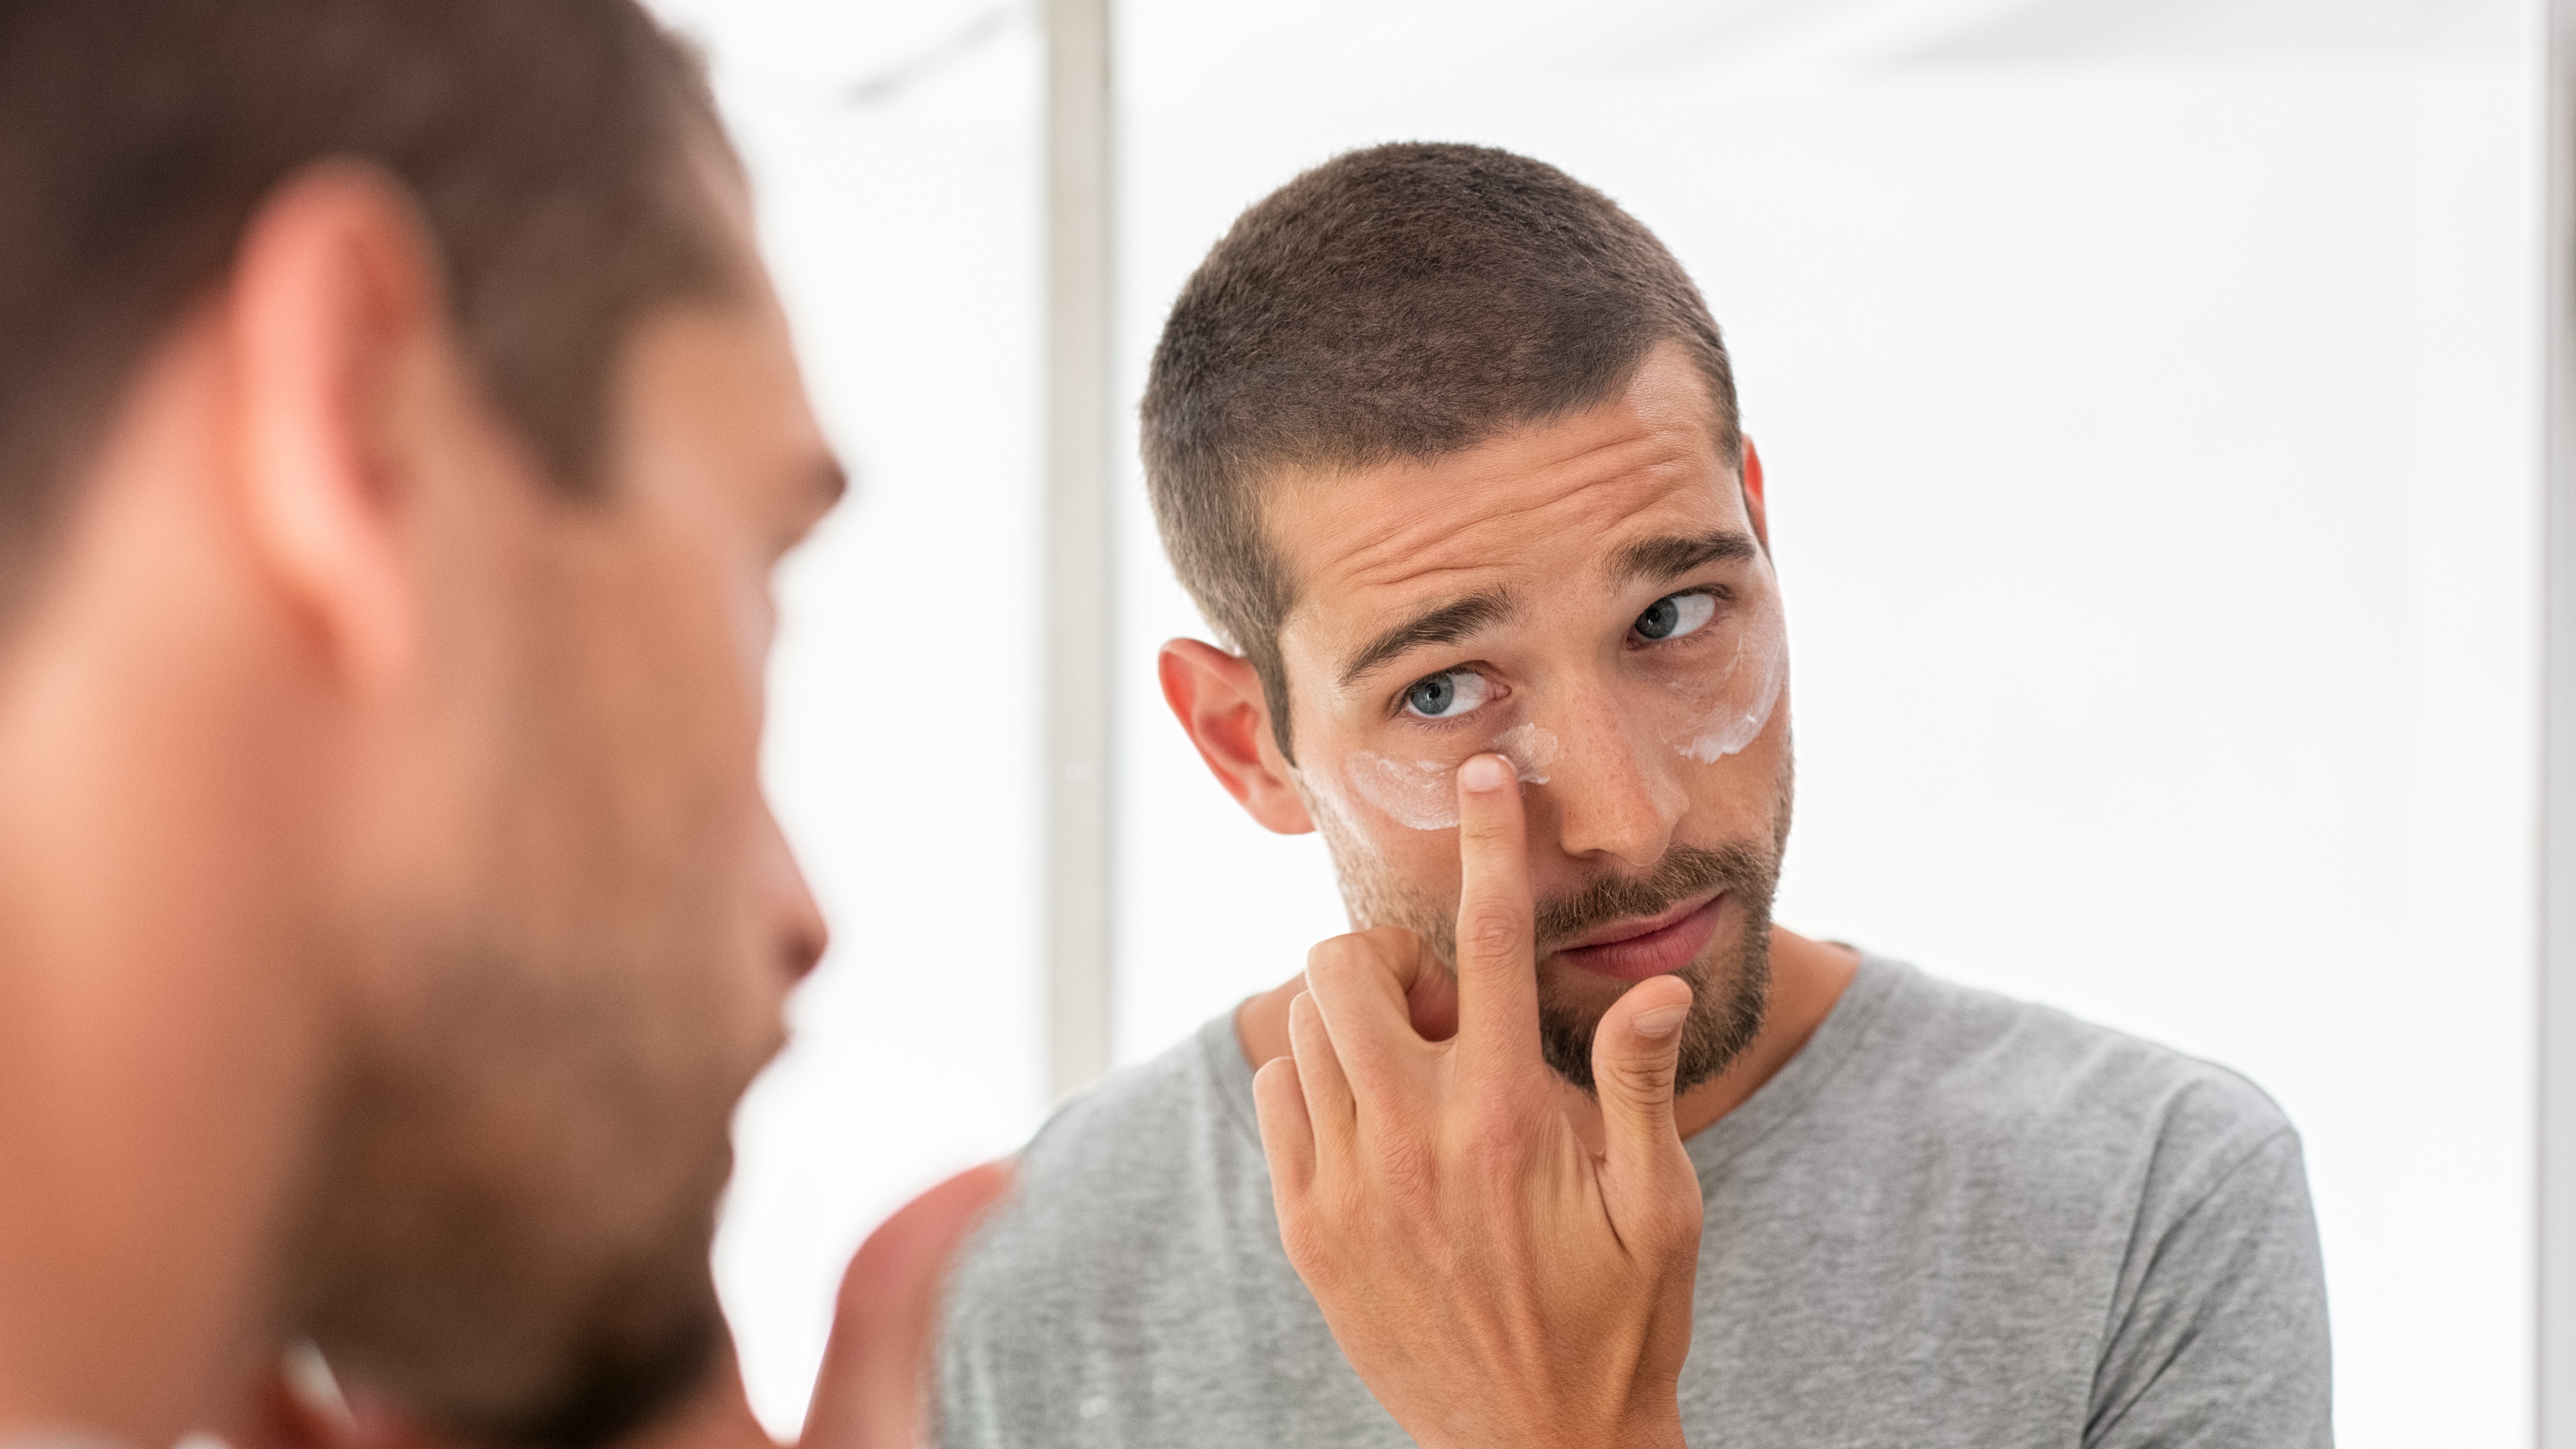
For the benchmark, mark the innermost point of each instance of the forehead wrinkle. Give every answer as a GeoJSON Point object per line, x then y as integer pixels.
{"type": "Point", "coordinates": [1406, 528]}
{"type": "Point", "coordinates": [1429, 544]}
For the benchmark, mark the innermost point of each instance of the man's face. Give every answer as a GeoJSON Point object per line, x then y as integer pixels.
{"type": "Point", "coordinates": [1590, 597]}
{"type": "Point", "coordinates": [595, 921]}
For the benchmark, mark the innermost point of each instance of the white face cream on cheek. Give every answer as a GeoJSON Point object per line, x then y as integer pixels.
{"type": "Point", "coordinates": [1423, 794]}
{"type": "Point", "coordinates": [1744, 704]}
{"type": "Point", "coordinates": [1530, 749]}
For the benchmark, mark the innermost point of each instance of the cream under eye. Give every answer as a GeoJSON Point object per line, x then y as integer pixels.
{"type": "Point", "coordinates": [1447, 695]}
{"type": "Point", "coordinates": [1676, 615]}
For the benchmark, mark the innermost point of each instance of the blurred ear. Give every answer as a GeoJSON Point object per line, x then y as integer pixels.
{"type": "Point", "coordinates": [1753, 493]}
{"type": "Point", "coordinates": [1217, 698]}
{"type": "Point", "coordinates": [337, 326]}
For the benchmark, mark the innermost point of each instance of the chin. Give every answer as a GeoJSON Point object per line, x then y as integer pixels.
{"type": "Point", "coordinates": [1730, 985]}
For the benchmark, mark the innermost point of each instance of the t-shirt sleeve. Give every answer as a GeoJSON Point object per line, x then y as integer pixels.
{"type": "Point", "coordinates": [2219, 1336]}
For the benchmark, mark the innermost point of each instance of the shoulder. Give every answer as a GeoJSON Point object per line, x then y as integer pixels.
{"type": "Point", "coordinates": [2069, 1098]}
{"type": "Point", "coordinates": [1148, 1130]}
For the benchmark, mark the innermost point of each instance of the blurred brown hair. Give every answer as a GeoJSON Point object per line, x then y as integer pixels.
{"type": "Point", "coordinates": [1402, 302]}
{"type": "Point", "coordinates": [548, 143]}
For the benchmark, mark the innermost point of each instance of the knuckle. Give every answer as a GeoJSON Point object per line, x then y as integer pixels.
{"type": "Point", "coordinates": [1494, 1139]}
{"type": "Point", "coordinates": [1489, 933]}
{"type": "Point", "coordinates": [1331, 955]}
{"type": "Point", "coordinates": [1304, 1241]}
{"type": "Point", "coordinates": [1677, 1243]}
{"type": "Point", "coordinates": [1410, 1169]}
{"type": "Point", "coordinates": [1638, 1076]}
{"type": "Point", "coordinates": [1390, 947]}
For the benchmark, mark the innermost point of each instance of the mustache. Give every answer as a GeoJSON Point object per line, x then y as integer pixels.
{"type": "Point", "coordinates": [1684, 872]}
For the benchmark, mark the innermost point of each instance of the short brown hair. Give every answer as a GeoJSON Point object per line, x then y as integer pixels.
{"type": "Point", "coordinates": [548, 143]}
{"type": "Point", "coordinates": [1402, 302]}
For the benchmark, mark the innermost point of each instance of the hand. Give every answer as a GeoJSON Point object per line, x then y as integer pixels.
{"type": "Point", "coordinates": [1492, 1280]}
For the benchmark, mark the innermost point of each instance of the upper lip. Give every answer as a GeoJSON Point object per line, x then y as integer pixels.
{"type": "Point", "coordinates": [1635, 926]}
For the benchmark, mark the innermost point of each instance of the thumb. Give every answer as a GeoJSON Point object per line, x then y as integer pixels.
{"type": "Point", "coordinates": [1635, 1052]}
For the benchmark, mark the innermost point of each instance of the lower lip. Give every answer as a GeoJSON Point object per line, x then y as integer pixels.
{"type": "Point", "coordinates": [1656, 953]}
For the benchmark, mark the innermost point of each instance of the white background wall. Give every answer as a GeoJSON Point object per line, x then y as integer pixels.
{"type": "Point", "coordinates": [2148, 391]}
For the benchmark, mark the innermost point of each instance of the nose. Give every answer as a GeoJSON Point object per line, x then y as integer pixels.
{"type": "Point", "coordinates": [1615, 796]}
{"type": "Point", "coordinates": [796, 922]}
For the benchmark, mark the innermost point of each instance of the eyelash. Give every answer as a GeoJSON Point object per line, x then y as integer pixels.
{"type": "Point", "coordinates": [1396, 710]}
{"type": "Point", "coordinates": [1719, 593]}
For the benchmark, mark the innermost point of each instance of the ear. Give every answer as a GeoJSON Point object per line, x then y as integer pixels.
{"type": "Point", "coordinates": [1753, 494]}
{"type": "Point", "coordinates": [1217, 698]}
{"type": "Point", "coordinates": [336, 321]}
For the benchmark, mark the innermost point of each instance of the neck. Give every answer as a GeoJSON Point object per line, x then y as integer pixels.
{"type": "Point", "coordinates": [1807, 978]}
{"type": "Point", "coordinates": [153, 1065]}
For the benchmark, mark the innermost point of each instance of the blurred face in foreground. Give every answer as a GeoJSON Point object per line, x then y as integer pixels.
{"type": "Point", "coordinates": [1592, 597]}
{"type": "Point", "coordinates": [387, 861]}
{"type": "Point", "coordinates": [578, 917]}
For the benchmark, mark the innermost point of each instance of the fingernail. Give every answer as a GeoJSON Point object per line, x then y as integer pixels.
{"type": "Point", "coordinates": [1662, 1021]}
{"type": "Point", "coordinates": [1484, 773]}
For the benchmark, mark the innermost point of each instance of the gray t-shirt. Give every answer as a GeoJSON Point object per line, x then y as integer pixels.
{"type": "Point", "coordinates": [1951, 1220]}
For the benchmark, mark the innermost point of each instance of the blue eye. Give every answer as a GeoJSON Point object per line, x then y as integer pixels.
{"type": "Point", "coordinates": [1447, 695]}
{"type": "Point", "coordinates": [1676, 615]}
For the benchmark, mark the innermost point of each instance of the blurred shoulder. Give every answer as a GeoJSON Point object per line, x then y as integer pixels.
{"type": "Point", "coordinates": [1125, 1170]}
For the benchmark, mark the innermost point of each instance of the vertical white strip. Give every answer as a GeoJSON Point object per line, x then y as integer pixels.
{"type": "Point", "coordinates": [1078, 582]}
{"type": "Point", "coordinates": [2556, 1377]}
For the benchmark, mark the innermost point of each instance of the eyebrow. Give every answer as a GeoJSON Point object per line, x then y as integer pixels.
{"type": "Point", "coordinates": [1444, 624]}
{"type": "Point", "coordinates": [1654, 560]}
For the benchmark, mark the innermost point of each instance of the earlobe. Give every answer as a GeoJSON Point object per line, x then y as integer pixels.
{"type": "Point", "coordinates": [1217, 697]}
{"type": "Point", "coordinates": [333, 297]}
{"type": "Point", "coordinates": [1753, 503]}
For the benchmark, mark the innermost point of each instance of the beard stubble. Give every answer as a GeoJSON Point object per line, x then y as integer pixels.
{"type": "Point", "coordinates": [1730, 980]}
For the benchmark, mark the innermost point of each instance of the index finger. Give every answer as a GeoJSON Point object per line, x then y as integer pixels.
{"type": "Point", "coordinates": [1497, 970]}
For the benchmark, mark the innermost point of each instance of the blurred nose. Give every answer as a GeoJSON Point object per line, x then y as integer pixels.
{"type": "Point", "coordinates": [798, 927]}
{"type": "Point", "coordinates": [1616, 797]}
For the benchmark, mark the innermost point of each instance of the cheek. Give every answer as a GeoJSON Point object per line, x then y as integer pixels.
{"type": "Point", "coordinates": [1723, 709]}
{"type": "Point", "coordinates": [701, 637]}
{"type": "Point", "coordinates": [1422, 794]}
{"type": "Point", "coordinates": [1366, 840]}
{"type": "Point", "coordinates": [1741, 796]}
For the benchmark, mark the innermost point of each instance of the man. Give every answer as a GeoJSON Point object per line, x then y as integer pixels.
{"type": "Point", "coordinates": [397, 435]}
{"type": "Point", "coordinates": [1569, 1144]}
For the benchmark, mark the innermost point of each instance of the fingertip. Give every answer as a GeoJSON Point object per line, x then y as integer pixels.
{"type": "Point", "coordinates": [1276, 1092]}
{"type": "Point", "coordinates": [1658, 1022]}
{"type": "Point", "coordinates": [1485, 774]}
{"type": "Point", "coordinates": [1657, 1007]}
{"type": "Point", "coordinates": [1273, 1074]}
